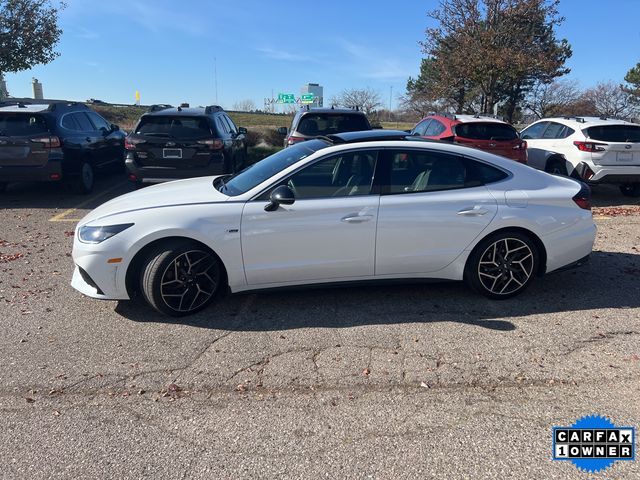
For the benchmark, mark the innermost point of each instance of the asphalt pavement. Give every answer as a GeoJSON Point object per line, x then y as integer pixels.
{"type": "Point", "coordinates": [406, 381]}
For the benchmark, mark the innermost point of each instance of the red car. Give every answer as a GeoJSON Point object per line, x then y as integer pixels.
{"type": "Point", "coordinates": [482, 132]}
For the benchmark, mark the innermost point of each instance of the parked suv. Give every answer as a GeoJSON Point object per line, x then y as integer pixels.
{"type": "Point", "coordinates": [596, 150]}
{"type": "Point", "coordinates": [479, 131]}
{"type": "Point", "coordinates": [312, 122]}
{"type": "Point", "coordinates": [60, 141]}
{"type": "Point", "coordinates": [170, 143]}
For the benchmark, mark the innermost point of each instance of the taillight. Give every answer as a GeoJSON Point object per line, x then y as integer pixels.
{"type": "Point", "coordinates": [583, 197]}
{"type": "Point", "coordinates": [212, 143]}
{"type": "Point", "coordinates": [590, 146]}
{"type": "Point", "coordinates": [48, 142]}
{"type": "Point", "coordinates": [291, 140]}
{"type": "Point", "coordinates": [131, 143]}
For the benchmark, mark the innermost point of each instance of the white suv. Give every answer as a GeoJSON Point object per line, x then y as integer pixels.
{"type": "Point", "coordinates": [595, 150]}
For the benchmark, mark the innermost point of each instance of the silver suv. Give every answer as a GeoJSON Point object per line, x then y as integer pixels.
{"type": "Point", "coordinates": [595, 150]}
{"type": "Point", "coordinates": [313, 122]}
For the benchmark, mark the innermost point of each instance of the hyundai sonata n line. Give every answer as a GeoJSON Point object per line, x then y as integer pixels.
{"type": "Point", "coordinates": [328, 212]}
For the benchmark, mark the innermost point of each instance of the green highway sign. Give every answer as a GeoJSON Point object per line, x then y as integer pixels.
{"type": "Point", "coordinates": [286, 98]}
{"type": "Point", "coordinates": [306, 98]}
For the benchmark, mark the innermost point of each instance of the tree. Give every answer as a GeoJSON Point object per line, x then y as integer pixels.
{"type": "Point", "coordinates": [246, 105]}
{"type": "Point", "coordinates": [610, 100]}
{"type": "Point", "coordinates": [633, 83]}
{"type": "Point", "coordinates": [365, 99]}
{"type": "Point", "coordinates": [29, 33]}
{"type": "Point", "coordinates": [493, 51]}
{"type": "Point", "coordinates": [554, 98]}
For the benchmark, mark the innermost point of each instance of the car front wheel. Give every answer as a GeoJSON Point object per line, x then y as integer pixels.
{"type": "Point", "coordinates": [181, 278]}
{"type": "Point", "coordinates": [502, 265]}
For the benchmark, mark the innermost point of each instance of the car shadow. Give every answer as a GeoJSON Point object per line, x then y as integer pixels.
{"type": "Point", "coordinates": [610, 281]}
{"type": "Point", "coordinates": [610, 196]}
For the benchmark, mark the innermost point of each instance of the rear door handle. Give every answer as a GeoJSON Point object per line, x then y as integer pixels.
{"type": "Point", "coordinates": [356, 218]}
{"type": "Point", "coordinates": [476, 211]}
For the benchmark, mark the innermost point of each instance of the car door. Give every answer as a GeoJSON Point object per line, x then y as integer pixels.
{"type": "Point", "coordinates": [432, 207]}
{"type": "Point", "coordinates": [328, 233]}
{"type": "Point", "coordinates": [111, 144]}
{"type": "Point", "coordinates": [93, 143]}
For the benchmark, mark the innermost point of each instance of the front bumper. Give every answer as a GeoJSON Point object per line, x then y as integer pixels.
{"type": "Point", "coordinates": [94, 276]}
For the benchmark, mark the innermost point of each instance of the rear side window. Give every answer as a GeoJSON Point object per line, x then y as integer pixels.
{"type": "Point", "coordinates": [326, 124]}
{"type": "Point", "coordinates": [69, 123]}
{"type": "Point", "coordinates": [486, 131]}
{"type": "Point", "coordinates": [614, 133]}
{"type": "Point", "coordinates": [20, 124]}
{"type": "Point", "coordinates": [174, 126]}
{"type": "Point", "coordinates": [421, 128]}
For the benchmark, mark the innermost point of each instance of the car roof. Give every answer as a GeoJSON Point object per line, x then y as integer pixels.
{"type": "Point", "coordinates": [367, 136]}
{"type": "Point", "coordinates": [587, 121]}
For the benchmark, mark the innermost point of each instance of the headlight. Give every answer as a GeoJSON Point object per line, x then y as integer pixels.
{"type": "Point", "coordinates": [100, 234]}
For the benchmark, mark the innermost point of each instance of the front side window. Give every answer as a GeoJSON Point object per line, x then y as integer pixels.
{"type": "Point", "coordinates": [232, 126]}
{"type": "Point", "coordinates": [435, 128]}
{"type": "Point", "coordinates": [534, 131]}
{"type": "Point", "coordinates": [554, 130]}
{"type": "Point", "coordinates": [342, 175]}
{"type": "Point", "coordinates": [427, 171]}
{"type": "Point", "coordinates": [99, 122]}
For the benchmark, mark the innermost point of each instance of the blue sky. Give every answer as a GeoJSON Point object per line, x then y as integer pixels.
{"type": "Point", "coordinates": [167, 49]}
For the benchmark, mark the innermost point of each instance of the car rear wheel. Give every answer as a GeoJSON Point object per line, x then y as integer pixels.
{"type": "Point", "coordinates": [83, 183]}
{"type": "Point", "coordinates": [502, 265]}
{"type": "Point", "coordinates": [556, 167]}
{"type": "Point", "coordinates": [630, 190]}
{"type": "Point", "coordinates": [181, 278]}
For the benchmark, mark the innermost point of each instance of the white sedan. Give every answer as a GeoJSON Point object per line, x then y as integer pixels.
{"type": "Point", "coordinates": [320, 212]}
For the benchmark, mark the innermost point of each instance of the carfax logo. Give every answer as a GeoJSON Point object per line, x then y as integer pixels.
{"type": "Point", "coordinates": [594, 443]}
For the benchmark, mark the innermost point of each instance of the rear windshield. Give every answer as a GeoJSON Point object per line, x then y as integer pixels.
{"type": "Point", "coordinates": [614, 133]}
{"type": "Point", "coordinates": [174, 126]}
{"type": "Point", "coordinates": [22, 124]}
{"type": "Point", "coordinates": [486, 131]}
{"type": "Point", "coordinates": [326, 124]}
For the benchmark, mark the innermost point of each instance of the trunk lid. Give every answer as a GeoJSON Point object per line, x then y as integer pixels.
{"type": "Point", "coordinates": [19, 133]}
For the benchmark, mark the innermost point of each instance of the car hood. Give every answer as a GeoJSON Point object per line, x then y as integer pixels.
{"type": "Point", "coordinates": [178, 192]}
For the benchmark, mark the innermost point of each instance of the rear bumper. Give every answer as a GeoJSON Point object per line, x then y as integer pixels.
{"type": "Point", "coordinates": [570, 245]}
{"type": "Point", "coordinates": [608, 173]}
{"type": "Point", "coordinates": [163, 174]}
{"type": "Point", "coordinates": [49, 172]}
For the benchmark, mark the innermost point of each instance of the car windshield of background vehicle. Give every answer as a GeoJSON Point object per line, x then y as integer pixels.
{"type": "Point", "coordinates": [257, 173]}
{"type": "Point", "coordinates": [19, 125]}
{"type": "Point", "coordinates": [486, 131]}
{"type": "Point", "coordinates": [614, 133]}
{"type": "Point", "coordinates": [333, 123]}
{"type": "Point", "coordinates": [174, 127]}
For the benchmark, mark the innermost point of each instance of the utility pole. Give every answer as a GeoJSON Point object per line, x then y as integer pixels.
{"type": "Point", "coordinates": [390, 97]}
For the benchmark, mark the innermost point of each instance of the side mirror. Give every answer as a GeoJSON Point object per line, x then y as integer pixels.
{"type": "Point", "coordinates": [242, 130]}
{"type": "Point", "coordinates": [114, 127]}
{"type": "Point", "coordinates": [283, 130]}
{"type": "Point", "coordinates": [281, 195]}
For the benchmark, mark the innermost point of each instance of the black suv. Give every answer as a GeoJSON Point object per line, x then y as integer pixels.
{"type": "Point", "coordinates": [170, 143]}
{"type": "Point", "coordinates": [312, 122]}
{"type": "Point", "coordinates": [58, 141]}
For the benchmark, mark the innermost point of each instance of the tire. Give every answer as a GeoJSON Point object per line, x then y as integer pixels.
{"type": "Point", "coordinates": [495, 275]}
{"type": "Point", "coordinates": [84, 182]}
{"type": "Point", "coordinates": [180, 278]}
{"type": "Point", "coordinates": [556, 167]}
{"type": "Point", "coordinates": [630, 190]}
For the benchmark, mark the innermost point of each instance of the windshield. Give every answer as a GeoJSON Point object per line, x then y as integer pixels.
{"type": "Point", "coordinates": [22, 124]}
{"type": "Point", "coordinates": [257, 173]}
{"type": "Point", "coordinates": [174, 126]}
{"type": "Point", "coordinates": [486, 131]}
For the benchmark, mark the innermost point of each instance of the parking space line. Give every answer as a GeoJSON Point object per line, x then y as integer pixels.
{"type": "Point", "coordinates": [61, 217]}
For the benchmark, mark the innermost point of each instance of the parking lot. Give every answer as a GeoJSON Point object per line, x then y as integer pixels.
{"type": "Point", "coordinates": [411, 380]}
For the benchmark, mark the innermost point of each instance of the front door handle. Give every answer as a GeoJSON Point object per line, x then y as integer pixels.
{"type": "Point", "coordinates": [476, 211]}
{"type": "Point", "coordinates": [356, 218]}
